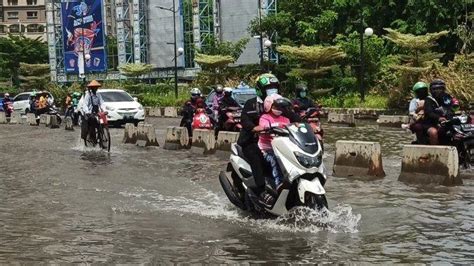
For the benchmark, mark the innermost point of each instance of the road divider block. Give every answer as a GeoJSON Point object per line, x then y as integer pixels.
{"type": "Point", "coordinates": [52, 121]}
{"type": "Point", "coordinates": [225, 140]}
{"type": "Point", "coordinates": [3, 118]}
{"type": "Point", "coordinates": [423, 164]}
{"type": "Point", "coordinates": [176, 138]}
{"type": "Point", "coordinates": [43, 119]}
{"type": "Point", "coordinates": [146, 135]}
{"type": "Point", "coordinates": [15, 118]}
{"type": "Point", "coordinates": [130, 134]}
{"type": "Point", "coordinates": [69, 125]}
{"type": "Point", "coordinates": [155, 112]}
{"type": "Point", "coordinates": [343, 119]}
{"type": "Point", "coordinates": [31, 119]}
{"type": "Point", "coordinates": [170, 112]}
{"type": "Point", "coordinates": [204, 138]}
{"type": "Point", "coordinates": [393, 120]}
{"type": "Point", "coordinates": [359, 159]}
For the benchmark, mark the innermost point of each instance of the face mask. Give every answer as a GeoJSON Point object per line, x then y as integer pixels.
{"type": "Point", "coordinates": [271, 91]}
{"type": "Point", "coordinates": [303, 94]}
{"type": "Point", "coordinates": [276, 112]}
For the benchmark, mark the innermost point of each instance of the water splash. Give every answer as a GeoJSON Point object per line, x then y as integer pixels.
{"type": "Point", "coordinates": [340, 219]}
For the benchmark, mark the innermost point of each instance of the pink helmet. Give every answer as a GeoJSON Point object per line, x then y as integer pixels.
{"type": "Point", "coordinates": [267, 104]}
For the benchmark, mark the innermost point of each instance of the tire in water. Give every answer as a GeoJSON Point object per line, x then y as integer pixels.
{"type": "Point", "coordinates": [229, 191]}
{"type": "Point", "coordinates": [316, 202]}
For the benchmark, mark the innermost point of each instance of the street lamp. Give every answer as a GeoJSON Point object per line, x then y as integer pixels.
{"type": "Point", "coordinates": [268, 44]}
{"type": "Point", "coordinates": [367, 32]}
{"type": "Point", "coordinates": [174, 11]}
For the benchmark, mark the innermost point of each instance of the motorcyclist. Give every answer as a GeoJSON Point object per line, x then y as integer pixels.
{"type": "Point", "coordinates": [302, 102]}
{"type": "Point", "coordinates": [92, 106]}
{"type": "Point", "coordinates": [267, 84]}
{"type": "Point", "coordinates": [416, 111]}
{"type": "Point", "coordinates": [76, 96]}
{"type": "Point", "coordinates": [33, 103]}
{"type": "Point", "coordinates": [68, 105]}
{"type": "Point", "coordinates": [196, 101]}
{"type": "Point", "coordinates": [226, 102]}
{"type": "Point", "coordinates": [437, 109]}
{"type": "Point", "coordinates": [6, 101]}
{"type": "Point", "coordinates": [216, 101]}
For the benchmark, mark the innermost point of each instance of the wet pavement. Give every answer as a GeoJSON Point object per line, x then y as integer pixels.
{"type": "Point", "coordinates": [62, 203]}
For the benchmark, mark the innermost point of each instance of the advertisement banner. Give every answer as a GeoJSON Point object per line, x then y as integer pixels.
{"type": "Point", "coordinates": [83, 36]}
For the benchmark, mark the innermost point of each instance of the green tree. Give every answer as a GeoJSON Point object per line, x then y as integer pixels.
{"type": "Point", "coordinates": [311, 62]}
{"type": "Point", "coordinates": [135, 70]}
{"type": "Point", "coordinates": [16, 49]}
{"type": "Point", "coordinates": [34, 76]}
{"type": "Point", "coordinates": [415, 61]}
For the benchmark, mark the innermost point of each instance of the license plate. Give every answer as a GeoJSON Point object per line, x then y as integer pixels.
{"type": "Point", "coordinates": [467, 127]}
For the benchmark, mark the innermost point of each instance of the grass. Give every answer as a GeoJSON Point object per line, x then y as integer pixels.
{"type": "Point", "coordinates": [353, 101]}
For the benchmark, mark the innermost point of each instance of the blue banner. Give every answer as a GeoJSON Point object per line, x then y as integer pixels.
{"type": "Point", "coordinates": [83, 30]}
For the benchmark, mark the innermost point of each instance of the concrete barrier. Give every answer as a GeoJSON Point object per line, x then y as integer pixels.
{"type": "Point", "coordinates": [69, 125]}
{"type": "Point", "coordinates": [358, 158]}
{"type": "Point", "coordinates": [422, 164]}
{"type": "Point", "coordinates": [359, 113]}
{"type": "Point", "coordinates": [146, 135]}
{"type": "Point", "coordinates": [345, 119]}
{"type": "Point", "coordinates": [130, 134]}
{"type": "Point", "coordinates": [204, 138]}
{"type": "Point", "coordinates": [170, 112]}
{"type": "Point", "coordinates": [43, 119]}
{"type": "Point", "coordinates": [3, 118]}
{"type": "Point", "coordinates": [176, 138]}
{"type": "Point", "coordinates": [225, 139]}
{"type": "Point", "coordinates": [52, 121]}
{"type": "Point", "coordinates": [393, 120]}
{"type": "Point", "coordinates": [31, 119]}
{"type": "Point", "coordinates": [155, 112]}
{"type": "Point", "coordinates": [15, 118]}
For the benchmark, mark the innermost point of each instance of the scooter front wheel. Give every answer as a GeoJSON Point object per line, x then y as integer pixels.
{"type": "Point", "coordinates": [316, 202]}
{"type": "Point", "coordinates": [230, 191]}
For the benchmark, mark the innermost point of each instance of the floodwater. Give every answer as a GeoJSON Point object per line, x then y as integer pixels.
{"type": "Point", "coordinates": [62, 203]}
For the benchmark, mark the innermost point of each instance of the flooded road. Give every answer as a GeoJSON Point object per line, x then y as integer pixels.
{"type": "Point", "coordinates": [62, 203]}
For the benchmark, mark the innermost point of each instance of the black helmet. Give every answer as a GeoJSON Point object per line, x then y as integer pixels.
{"type": "Point", "coordinates": [300, 88]}
{"type": "Point", "coordinates": [438, 84]}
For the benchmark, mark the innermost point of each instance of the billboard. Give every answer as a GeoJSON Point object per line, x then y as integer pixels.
{"type": "Point", "coordinates": [83, 31]}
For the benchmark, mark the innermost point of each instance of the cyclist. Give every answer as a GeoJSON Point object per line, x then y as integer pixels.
{"type": "Point", "coordinates": [92, 106]}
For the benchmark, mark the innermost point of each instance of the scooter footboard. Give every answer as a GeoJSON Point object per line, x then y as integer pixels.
{"type": "Point", "coordinates": [314, 186]}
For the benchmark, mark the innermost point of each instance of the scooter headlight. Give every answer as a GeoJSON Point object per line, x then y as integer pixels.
{"type": "Point", "coordinates": [309, 161]}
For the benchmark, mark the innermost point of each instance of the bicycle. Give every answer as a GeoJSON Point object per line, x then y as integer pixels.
{"type": "Point", "coordinates": [102, 130]}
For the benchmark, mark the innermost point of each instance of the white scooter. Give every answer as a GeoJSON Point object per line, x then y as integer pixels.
{"type": "Point", "coordinates": [300, 156]}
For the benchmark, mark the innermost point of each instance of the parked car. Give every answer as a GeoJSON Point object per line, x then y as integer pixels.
{"type": "Point", "coordinates": [240, 94]}
{"type": "Point", "coordinates": [21, 102]}
{"type": "Point", "coordinates": [121, 107]}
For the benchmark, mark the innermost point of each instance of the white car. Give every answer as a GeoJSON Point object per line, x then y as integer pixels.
{"type": "Point", "coordinates": [121, 107]}
{"type": "Point", "coordinates": [21, 102]}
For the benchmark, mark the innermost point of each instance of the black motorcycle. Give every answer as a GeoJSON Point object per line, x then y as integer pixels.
{"type": "Point", "coordinates": [460, 133]}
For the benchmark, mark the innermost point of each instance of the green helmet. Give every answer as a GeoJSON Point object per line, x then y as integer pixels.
{"type": "Point", "coordinates": [33, 94]}
{"type": "Point", "coordinates": [267, 82]}
{"type": "Point", "coordinates": [419, 85]}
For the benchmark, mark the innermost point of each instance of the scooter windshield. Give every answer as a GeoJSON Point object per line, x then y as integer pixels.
{"type": "Point", "coordinates": [303, 136]}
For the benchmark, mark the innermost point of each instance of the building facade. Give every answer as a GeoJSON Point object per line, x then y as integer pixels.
{"type": "Point", "coordinates": [26, 17]}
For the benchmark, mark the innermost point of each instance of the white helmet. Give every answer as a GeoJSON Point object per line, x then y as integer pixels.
{"type": "Point", "coordinates": [219, 88]}
{"type": "Point", "coordinates": [228, 90]}
{"type": "Point", "coordinates": [195, 92]}
{"type": "Point", "coordinates": [7, 94]}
